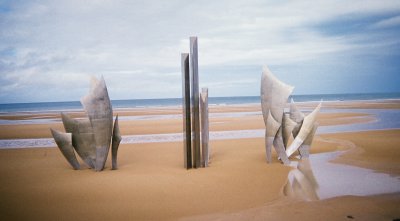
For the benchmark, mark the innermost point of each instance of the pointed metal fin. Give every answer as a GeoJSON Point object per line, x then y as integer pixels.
{"type": "Point", "coordinates": [304, 149]}
{"type": "Point", "coordinates": [274, 95]}
{"type": "Point", "coordinates": [97, 105]}
{"type": "Point", "coordinates": [82, 138]}
{"type": "Point", "coordinates": [272, 128]}
{"type": "Point", "coordinates": [64, 143]}
{"type": "Point", "coordinates": [279, 148]}
{"type": "Point", "coordinates": [116, 139]}
{"type": "Point", "coordinates": [306, 128]}
{"type": "Point", "coordinates": [288, 126]}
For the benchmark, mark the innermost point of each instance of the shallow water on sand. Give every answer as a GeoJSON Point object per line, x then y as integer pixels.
{"type": "Point", "coordinates": [385, 119]}
{"type": "Point", "coordinates": [316, 178]}
{"type": "Point", "coordinates": [35, 120]}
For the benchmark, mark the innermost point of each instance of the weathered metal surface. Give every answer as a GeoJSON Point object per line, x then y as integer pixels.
{"type": "Point", "coordinates": [187, 132]}
{"type": "Point", "coordinates": [306, 129]}
{"type": "Point", "coordinates": [304, 149]}
{"type": "Point", "coordinates": [204, 127]}
{"type": "Point", "coordinates": [116, 140]}
{"type": "Point", "coordinates": [274, 95]}
{"type": "Point", "coordinates": [282, 127]}
{"type": "Point", "coordinates": [287, 126]}
{"type": "Point", "coordinates": [64, 143]}
{"type": "Point", "coordinates": [91, 137]}
{"type": "Point", "coordinates": [280, 148]}
{"type": "Point", "coordinates": [297, 116]}
{"type": "Point", "coordinates": [82, 138]}
{"type": "Point", "coordinates": [195, 102]}
{"type": "Point", "coordinates": [272, 127]}
{"type": "Point", "coordinates": [98, 107]}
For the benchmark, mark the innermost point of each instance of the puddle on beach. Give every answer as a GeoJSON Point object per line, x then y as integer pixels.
{"type": "Point", "coordinates": [316, 178]}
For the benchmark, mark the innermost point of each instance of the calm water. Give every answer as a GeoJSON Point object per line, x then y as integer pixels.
{"type": "Point", "coordinates": [76, 105]}
{"type": "Point", "coordinates": [317, 178]}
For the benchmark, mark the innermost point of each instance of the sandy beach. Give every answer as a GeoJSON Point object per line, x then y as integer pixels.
{"type": "Point", "coordinates": [151, 183]}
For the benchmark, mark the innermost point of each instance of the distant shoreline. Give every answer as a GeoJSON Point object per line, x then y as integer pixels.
{"type": "Point", "coordinates": [174, 102]}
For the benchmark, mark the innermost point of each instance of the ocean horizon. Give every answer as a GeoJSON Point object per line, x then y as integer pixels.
{"type": "Point", "coordinates": [137, 103]}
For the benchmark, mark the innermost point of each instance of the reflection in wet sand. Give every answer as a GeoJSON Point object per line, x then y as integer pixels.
{"type": "Point", "coordinates": [317, 178]}
{"type": "Point", "coordinates": [301, 182]}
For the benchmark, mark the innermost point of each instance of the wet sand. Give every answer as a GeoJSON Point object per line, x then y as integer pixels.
{"type": "Point", "coordinates": [159, 126]}
{"type": "Point", "coordinates": [151, 184]}
{"type": "Point", "coordinates": [376, 150]}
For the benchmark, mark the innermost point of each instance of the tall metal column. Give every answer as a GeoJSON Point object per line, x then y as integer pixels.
{"type": "Point", "coordinates": [195, 102]}
{"type": "Point", "coordinates": [187, 132]}
{"type": "Point", "coordinates": [204, 127]}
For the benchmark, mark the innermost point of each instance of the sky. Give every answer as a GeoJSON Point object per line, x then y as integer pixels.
{"type": "Point", "coordinates": [50, 49]}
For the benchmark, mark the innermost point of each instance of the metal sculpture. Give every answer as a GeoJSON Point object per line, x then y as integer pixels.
{"type": "Point", "coordinates": [116, 140]}
{"type": "Point", "coordinates": [64, 143]}
{"type": "Point", "coordinates": [195, 102]}
{"type": "Point", "coordinates": [187, 132]}
{"type": "Point", "coordinates": [282, 127]}
{"type": "Point", "coordinates": [204, 127]}
{"type": "Point", "coordinates": [308, 128]}
{"type": "Point", "coordinates": [194, 156]}
{"type": "Point", "coordinates": [91, 137]}
{"type": "Point", "coordinates": [274, 95]}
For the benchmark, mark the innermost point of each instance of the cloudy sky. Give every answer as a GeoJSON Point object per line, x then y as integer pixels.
{"type": "Point", "coordinates": [49, 49]}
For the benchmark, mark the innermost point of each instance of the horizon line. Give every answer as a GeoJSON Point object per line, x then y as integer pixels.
{"type": "Point", "coordinates": [324, 94]}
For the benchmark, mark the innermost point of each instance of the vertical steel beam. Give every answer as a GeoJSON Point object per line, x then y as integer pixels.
{"type": "Point", "coordinates": [187, 147]}
{"type": "Point", "coordinates": [195, 101]}
{"type": "Point", "coordinates": [204, 127]}
{"type": "Point", "coordinates": [115, 141]}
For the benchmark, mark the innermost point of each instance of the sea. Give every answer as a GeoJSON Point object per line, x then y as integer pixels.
{"type": "Point", "coordinates": [165, 102]}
